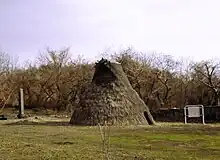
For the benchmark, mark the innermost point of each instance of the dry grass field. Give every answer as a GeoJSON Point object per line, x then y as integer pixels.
{"type": "Point", "coordinates": [52, 139]}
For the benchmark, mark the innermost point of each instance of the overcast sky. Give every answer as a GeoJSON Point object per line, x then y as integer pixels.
{"type": "Point", "coordinates": [176, 27]}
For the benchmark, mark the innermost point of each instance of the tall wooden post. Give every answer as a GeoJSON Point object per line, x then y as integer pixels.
{"type": "Point", "coordinates": [203, 115]}
{"type": "Point", "coordinates": [21, 104]}
{"type": "Point", "coordinates": [185, 115]}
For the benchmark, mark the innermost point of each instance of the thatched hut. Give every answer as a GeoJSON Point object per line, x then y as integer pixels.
{"type": "Point", "coordinates": [110, 98]}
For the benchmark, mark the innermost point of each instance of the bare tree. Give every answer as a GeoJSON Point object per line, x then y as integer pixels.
{"type": "Point", "coordinates": [7, 66]}
{"type": "Point", "coordinates": [208, 72]}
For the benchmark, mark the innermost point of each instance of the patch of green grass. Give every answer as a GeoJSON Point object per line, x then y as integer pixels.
{"type": "Point", "coordinates": [163, 142]}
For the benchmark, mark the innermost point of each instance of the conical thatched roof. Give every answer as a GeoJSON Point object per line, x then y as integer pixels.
{"type": "Point", "coordinates": [110, 98]}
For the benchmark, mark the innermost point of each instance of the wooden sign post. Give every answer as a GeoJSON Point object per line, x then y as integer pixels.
{"type": "Point", "coordinates": [21, 104]}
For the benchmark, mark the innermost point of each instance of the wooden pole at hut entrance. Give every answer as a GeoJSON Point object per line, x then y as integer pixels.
{"type": "Point", "coordinates": [21, 104]}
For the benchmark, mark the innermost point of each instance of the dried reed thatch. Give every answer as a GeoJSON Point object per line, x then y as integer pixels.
{"type": "Point", "coordinates": [110, 98]}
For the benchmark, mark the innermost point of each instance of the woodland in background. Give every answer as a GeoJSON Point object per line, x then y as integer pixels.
{"type": "Point", "coordinates": [55, 81]}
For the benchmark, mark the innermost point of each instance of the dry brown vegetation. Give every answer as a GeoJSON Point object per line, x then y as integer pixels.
{"type": "Point", "coordinates": [49, 138]}
{"type": "Point", "coordinates": [55, 81]}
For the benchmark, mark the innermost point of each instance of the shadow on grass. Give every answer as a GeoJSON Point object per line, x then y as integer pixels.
{"type": "Point", "coordinates": [43, 123]}
{"type": "Point", "coordinates": [47, 123]}
{"type": "Point", "coordinates": [64, 143]}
